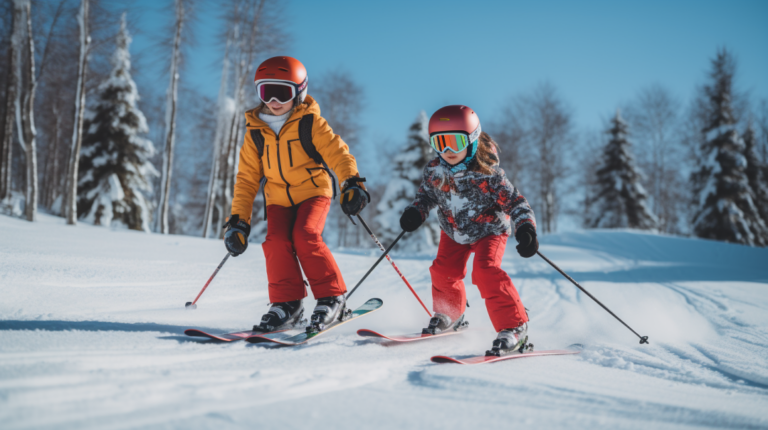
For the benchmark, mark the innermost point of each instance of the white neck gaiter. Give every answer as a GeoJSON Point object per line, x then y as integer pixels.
{"type": "Point", "coordinates": [273, 121]}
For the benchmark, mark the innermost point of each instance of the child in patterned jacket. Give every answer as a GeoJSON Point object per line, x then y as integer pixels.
{"type": "Point", "coordinates": [478, 208]}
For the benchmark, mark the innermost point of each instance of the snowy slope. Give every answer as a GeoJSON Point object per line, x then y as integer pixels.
{"type": "Point", "coordinates": [92, 320]}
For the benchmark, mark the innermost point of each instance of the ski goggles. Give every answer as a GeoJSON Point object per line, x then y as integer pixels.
{"type": "Point", "coordinates": [282, 91]}
{"type": "Point", "coordinates": [454, 141]}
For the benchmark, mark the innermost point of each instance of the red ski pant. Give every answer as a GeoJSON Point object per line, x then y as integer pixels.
{"type": "Point", "coordinates": [294, 235]}
{"type": "Point", "coordinates": [448, 272]}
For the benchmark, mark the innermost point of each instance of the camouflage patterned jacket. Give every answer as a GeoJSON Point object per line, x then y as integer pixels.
{"type": "Point", "coordinates": [471, 205]}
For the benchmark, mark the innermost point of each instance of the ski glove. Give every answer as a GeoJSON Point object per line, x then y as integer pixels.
{"type": "Point", "coordinates": [411, 219]}
{"type": "Point", "coordinates": [526, 240]}
{"type": "Point", "coordinates": [236, 236]}
{"type": "Point", "coordinates": [354, 197]}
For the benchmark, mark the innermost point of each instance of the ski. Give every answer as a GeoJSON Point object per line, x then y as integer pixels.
{"type": "Point", "coordinates": [412, 337]}
{"type": "Point", "coordinates": [226, 337]}
{"type": "Point", "coordinates": [481, 359]}
{"type": "Point", "coordinates": [242, 335]}
{"type": "Point", "coordinates": [295, 337]}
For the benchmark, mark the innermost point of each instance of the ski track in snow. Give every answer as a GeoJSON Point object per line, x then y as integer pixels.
{"type": "Point", "coordinates": [92, 321]}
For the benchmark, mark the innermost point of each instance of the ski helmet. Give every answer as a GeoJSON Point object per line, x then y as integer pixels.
{"type": "Point", "coordinates": [285, 70]}
{"type": "Point", "coordinates": [461, 119]}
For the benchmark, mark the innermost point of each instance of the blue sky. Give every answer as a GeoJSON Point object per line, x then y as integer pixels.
{"type": "Point", "coordinates": [410, 56]}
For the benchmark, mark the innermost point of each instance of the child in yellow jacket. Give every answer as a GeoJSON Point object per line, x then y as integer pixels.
{"type": "Point", "coordinates": [288, 150]}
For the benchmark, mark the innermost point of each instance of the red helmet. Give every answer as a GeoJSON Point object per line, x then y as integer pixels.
{"type": "Point", "coordinates": [455, 118]}
{"type": "Point", "coordinates": [284, 70]}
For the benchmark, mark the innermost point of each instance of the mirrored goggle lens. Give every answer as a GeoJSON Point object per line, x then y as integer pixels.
{"type": "Point", "coordinates": [282, 93]}
{"type": "Point", "coordinates": [454, 141]}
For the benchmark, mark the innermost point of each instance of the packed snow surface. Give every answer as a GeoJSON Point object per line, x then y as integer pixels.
{"type": "Point", "coordinates": [92, 322]}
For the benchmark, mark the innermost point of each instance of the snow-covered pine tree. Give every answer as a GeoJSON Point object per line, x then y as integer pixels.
{"type": "Point", "coordinates": [724, 207]}
{"type": "Point", "coordinates": [757, 174]}
{"type": "Point", "coordinates": [619, 199]}
{"type": "Point", "coordinates": [406, 178]}
{"type": "Point", "coordinates": [115, 170]}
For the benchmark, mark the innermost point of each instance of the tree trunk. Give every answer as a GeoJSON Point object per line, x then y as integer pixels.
{"type": "Point", "coordinates": [70, 208]}
{"type": "Point", "coordinates": [229, 155]}
{"type": "Point", "coordinates": [218, 142]}
{"type": "Point", "coordinates": [28, 122]}
{"type": "Point", "coordinates": [230, 171]}
{"type": "Point", "coordinates": [170, 122]}
{"type": "Point", "coordinates": [11, 93]}
{"type": "Point", "coordinates": [52, 162]}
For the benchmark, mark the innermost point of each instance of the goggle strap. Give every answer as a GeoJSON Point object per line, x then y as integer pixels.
{"type": "Point", "coordinates": [475, 134]}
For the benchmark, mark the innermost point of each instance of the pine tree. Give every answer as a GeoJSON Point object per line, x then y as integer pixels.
{"type": "Point", "coordinates": [115, 171]}
{"type": "Point", "coordinates": [406, 178]}
{"type": "Point", "coordinates": [725, 209]}
{"type": "Point", "coordinates": [757, 175]}
{"type": "Point", "coordinates": [619, 199]}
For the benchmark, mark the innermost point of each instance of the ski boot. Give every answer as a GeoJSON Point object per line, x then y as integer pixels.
{"type": "Point", "coordinates": [328, 310]}
{"type": "Point", "coordinates": [509, 341]}
{"type": "Point", "coordinates": [282, 316]}
{"type": "Point", "coordinates": [441, 322]}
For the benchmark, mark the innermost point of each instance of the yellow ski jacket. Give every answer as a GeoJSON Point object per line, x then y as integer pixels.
{"type": "Point", "coordinates": [292, 176]}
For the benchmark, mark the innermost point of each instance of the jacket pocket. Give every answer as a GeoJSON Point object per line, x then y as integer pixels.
{"type": "Point", "coordinates": [312, 178]}
{"type": "Point", "coordinates": [266, 151]}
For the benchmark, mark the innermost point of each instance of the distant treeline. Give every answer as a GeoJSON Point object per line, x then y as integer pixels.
{"type": "Point", "coordinates": [82, 141]}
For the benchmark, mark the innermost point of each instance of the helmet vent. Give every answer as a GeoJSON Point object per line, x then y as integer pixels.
{"type": "Point", "coordinates": [283, 69]}
{"type": "Point", "coordinates": [262, 68]}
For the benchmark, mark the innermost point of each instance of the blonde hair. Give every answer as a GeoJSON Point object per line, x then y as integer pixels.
{"type": "Point", "coordinates": [487, 155]}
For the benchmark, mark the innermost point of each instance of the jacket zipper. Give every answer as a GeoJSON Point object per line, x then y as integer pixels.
{"type": "Point", "coordinates": [279, 166]}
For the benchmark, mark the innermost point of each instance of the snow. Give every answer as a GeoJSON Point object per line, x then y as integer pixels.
{"type": "Point", "coordinates": [92, 320]}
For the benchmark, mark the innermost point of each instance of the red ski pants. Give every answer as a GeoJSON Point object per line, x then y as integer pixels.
{"type": "Point", "coordinates": [448, 272]}
{"type": "Point", "coordinates": [294, 235]}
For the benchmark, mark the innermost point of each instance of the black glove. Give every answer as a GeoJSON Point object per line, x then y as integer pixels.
{"type": "Point", "coordinates": [527, 242]}
{"type": "Point", "coordinates": [354, 197]}
{"type": "Point", "coordinates": [411, 219]}
{"type": "Point", "coordinates": [236, 236]}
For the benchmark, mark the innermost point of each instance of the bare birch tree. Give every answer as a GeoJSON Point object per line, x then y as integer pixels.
{"type": "Point", "coordinates": [70, 205]}
{"type": "Point", "coordinates": [655, 123]}
{"type": "Point", "coordinates": [6, 33]}
{"type": "Point", "coordinates": [535, 132]}
{"type": "Point", "coordinates": [11, 100]}
{"type": "Point", "coordinates": [224, 108]}
{"type": "Point", "coordinates": [52, 106]}
{"type": "Point", "coordinates": [548, 135]}
{"type": "Point", "coordinates": [25, 117]}
{"type": "Point", "coordinates": [182, 9]}
{"type": "Point", "coordinates": [509, 133]}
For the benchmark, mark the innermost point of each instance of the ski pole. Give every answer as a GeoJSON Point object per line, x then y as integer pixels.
{"type": "Point", "coordinates": [368, 229]}
{"type": "Point", "coordinates": [192, 305]}
{"type": "Point", "coordinates": [643, 339]}
{"type": "Point", "coordinates": [376, 263]}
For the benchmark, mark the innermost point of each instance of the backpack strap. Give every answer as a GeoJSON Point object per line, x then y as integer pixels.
{"type": "Point", "coordinates": [258, 141]}
{"type": "Point", "coordinates": [305, 137]}
{"type": "Point", "coordinates": [262, 185]}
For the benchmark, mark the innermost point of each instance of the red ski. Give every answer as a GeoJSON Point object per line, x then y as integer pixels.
{"type": "Point", "coordinates": [405, 337]}
{"type": "Point", "coordinates": [226, 337]}
{"type": "Point", "coordinates": [490, 359]}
